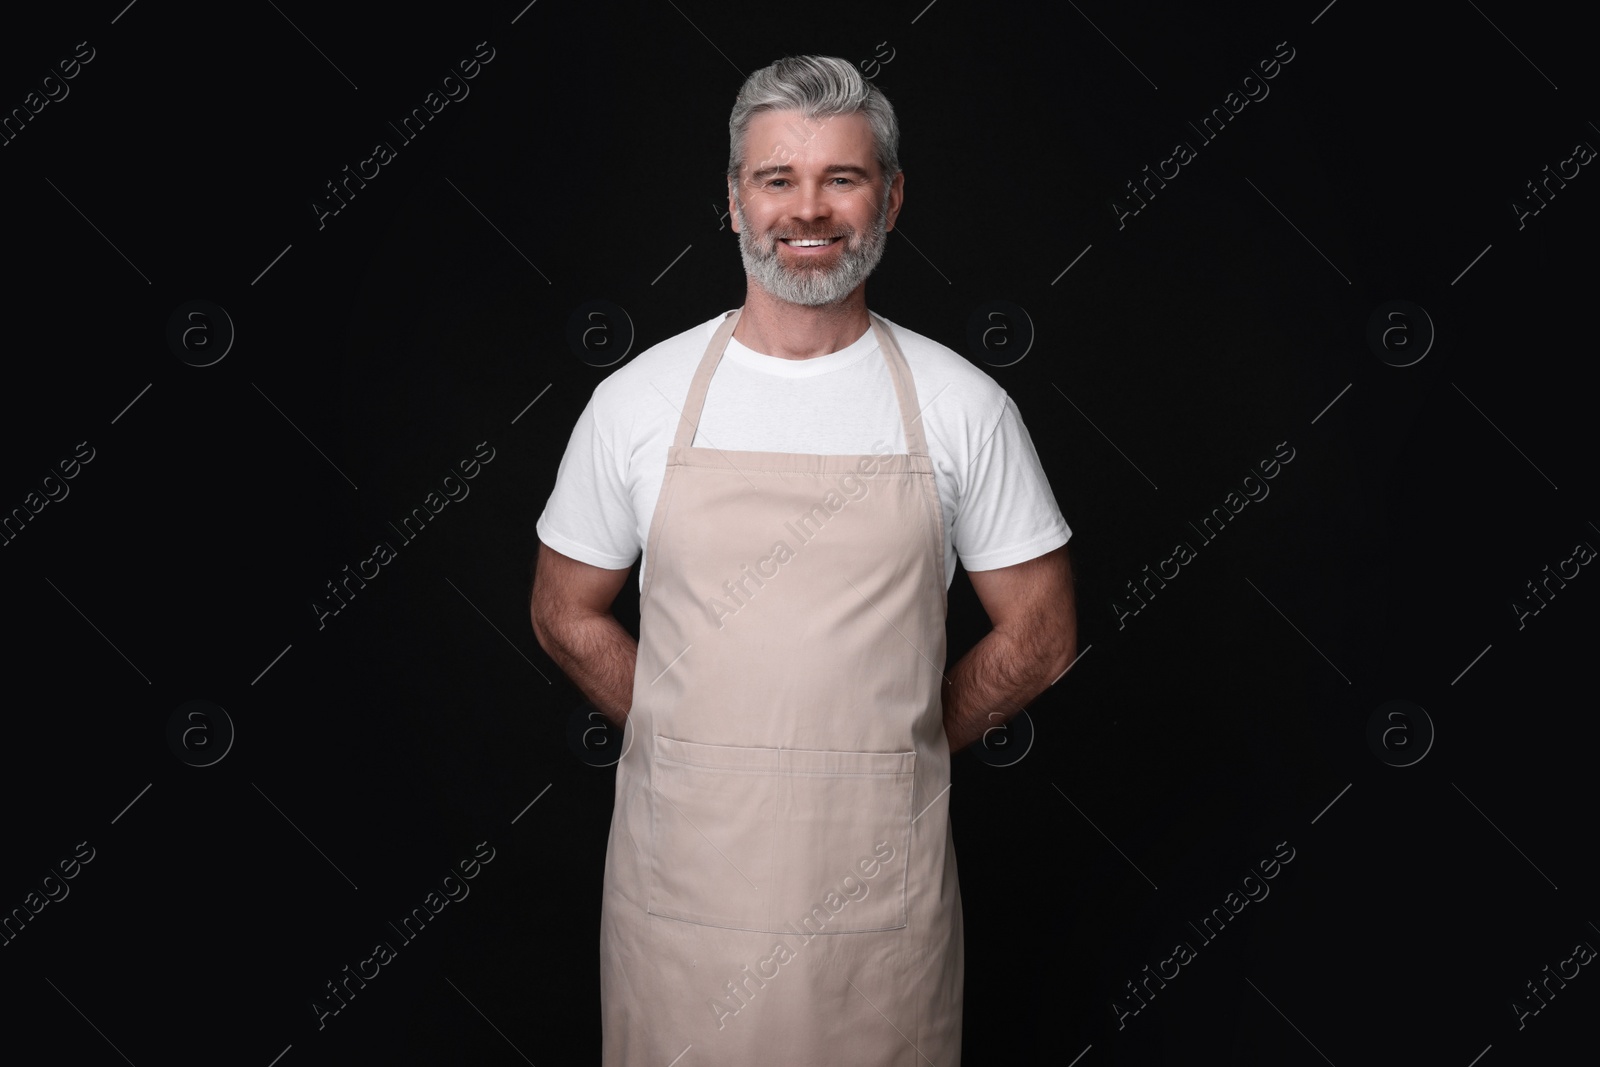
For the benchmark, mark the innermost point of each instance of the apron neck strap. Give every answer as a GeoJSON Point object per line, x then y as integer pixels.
{"type": "Point", "coordinates": [899, 372]}
{"type": "Point", "coordinates": [905, 388]}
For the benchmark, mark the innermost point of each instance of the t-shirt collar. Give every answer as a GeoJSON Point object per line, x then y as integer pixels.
{"type": "Point", "coordinates": [852, 353]}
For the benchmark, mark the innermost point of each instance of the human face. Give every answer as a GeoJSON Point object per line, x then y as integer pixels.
{"type": "Point", "coordinates": [807, 180]}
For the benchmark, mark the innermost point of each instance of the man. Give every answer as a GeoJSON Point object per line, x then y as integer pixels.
{"type": "Point", "coordinates": [780, 883]}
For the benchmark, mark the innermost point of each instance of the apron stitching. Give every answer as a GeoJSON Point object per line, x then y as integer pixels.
{"type": "Point", "coordinates": [682, 415]}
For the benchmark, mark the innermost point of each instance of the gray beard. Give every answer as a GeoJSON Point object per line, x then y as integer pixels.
{"type": "Point", "coordinates": [811, 286]}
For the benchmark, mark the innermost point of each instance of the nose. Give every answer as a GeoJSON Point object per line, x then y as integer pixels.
{"type": "Point", "coordinates": [811, 205]}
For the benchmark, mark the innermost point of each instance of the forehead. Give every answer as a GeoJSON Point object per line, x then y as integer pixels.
{"type": "Point", "coordinates": [779, 138]}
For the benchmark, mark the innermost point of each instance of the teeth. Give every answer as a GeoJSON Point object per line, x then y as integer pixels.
{"type": "Point", "coordinates": [812, 242]}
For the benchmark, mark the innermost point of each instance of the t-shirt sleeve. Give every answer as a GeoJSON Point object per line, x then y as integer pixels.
{"type": "Point", "coordinates": [590, 514]}
{"type": "Point", "coordinates": [1007, 513]}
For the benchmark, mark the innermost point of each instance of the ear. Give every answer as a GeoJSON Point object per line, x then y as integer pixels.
{"type": "Point", "coordinates": [896, 198]}
{"type": "Point", "coordinates": [733, 215]}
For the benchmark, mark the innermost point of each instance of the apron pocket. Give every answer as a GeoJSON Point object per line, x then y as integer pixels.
{"type": "Point", "coordinates": [775, 840]}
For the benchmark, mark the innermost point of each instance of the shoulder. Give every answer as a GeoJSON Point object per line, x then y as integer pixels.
{"type": "Point", "coordinates": [943, 373]}
{"type": "Point", "coordinates": [666, 366]}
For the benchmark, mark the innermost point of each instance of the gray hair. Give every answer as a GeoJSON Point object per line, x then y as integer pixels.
{"type": "Point", "coordinates": [819, 87]}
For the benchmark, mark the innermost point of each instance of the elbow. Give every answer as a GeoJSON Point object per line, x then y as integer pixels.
{"type": "Point", "coordinates": [1065, 653]}
{"type": "Point", "coordinates": [556, 626]}
{"type": "Point", "coordinates": [539, 616]}
{"type": "Point", "coordinates": [1064, 659]}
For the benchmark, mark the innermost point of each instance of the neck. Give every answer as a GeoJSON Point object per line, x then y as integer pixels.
{"type": "Point", "coordinates": [793, 331]}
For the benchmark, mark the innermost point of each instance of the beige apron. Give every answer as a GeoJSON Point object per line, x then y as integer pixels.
{"type": "Point", "coordinates": [780, 880]}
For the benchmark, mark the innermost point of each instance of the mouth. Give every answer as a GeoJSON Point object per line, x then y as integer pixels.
{"type": "Point", "coordinates": [810, 246]}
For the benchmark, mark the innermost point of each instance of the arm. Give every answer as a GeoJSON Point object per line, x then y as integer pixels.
{"type": "Point", "coordinates": [571, 610]}
{"type": "Point", "coordinates": [1034, 640]}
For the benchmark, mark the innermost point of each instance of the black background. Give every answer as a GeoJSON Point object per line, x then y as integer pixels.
{"type": "Point", "coordinates": [375, 351]}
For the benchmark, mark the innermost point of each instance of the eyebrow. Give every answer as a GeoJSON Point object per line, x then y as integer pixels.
{"type": "Point", "coordinates": [834, 168]}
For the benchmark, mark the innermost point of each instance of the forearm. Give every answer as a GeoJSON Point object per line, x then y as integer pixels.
{"type": "Point", "coordinates": [995, 679]}
{"type": "Point", "coordinates": [598, 655]}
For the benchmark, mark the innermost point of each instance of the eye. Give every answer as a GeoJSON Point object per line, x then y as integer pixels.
{"type": "Point", "coordinates": [774, 182]}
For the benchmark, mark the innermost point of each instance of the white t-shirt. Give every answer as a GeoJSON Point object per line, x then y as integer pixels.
{"type": "Point", "coordinates": [996, 501]}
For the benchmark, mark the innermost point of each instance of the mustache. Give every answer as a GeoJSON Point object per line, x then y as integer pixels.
{"type": "Point", "coordinates": [809, 236]}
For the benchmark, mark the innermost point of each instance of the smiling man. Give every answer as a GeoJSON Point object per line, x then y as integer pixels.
{"type": "Point", "coordinates": [800, 477]}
